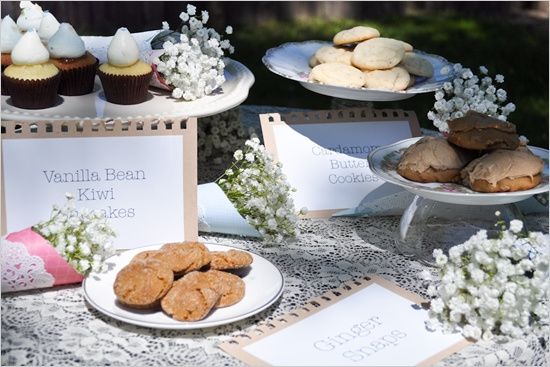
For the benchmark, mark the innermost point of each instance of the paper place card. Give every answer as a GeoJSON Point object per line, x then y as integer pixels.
{"type": "Point", "coordinates": [370, 322]}
{"type": "Point", "coordinates": [324, 153]}
{"type": "Point", "coordinates": [140, 176]}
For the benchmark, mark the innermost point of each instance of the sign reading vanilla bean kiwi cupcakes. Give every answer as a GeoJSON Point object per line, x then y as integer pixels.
{"type": "Point", "coordinates": [480, 152]}
{"type": "Point", "coordinates": [139, 175]}
{"type": "Point", "coordinates": [359, 57]}
{"type": "Point", "coordinates": [186, 280]}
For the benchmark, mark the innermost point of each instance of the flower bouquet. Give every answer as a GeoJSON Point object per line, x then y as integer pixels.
{"type": "Point", "coordinates": [252, 198]}
{"type": "Point", "coordinates": [61, 250]}
{"type": "Point", "coordinates": [493, 287]}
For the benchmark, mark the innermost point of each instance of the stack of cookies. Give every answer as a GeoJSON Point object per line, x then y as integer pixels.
{"type": "Point", "coordinates": [359, 57]}
{"type": "Point", "coordinates": [185, 279]}
{"type": "Point", "coordinates": [481, 152]}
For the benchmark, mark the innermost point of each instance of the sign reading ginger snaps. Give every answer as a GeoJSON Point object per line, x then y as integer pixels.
{"type": "Point", "coordinates": [366, 322]}
{"type": "Point", "coordinates": [324, 153]}
{"type": "Point", "coordinates": [141, 176]}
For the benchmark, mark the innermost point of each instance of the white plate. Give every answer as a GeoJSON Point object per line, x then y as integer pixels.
{"type": "Point", "coordinates": [383, 162]}
{"type": "Point", "coordinates": [159, 104]}
{"type": "Point", "coordinates": [291, 60]}
{"type": "Point", "coordinates": [264, 285]}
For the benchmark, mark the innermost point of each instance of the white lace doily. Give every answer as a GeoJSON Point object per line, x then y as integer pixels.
{"type": "Point", "coordinates": [20, 270]}
{"type": "Point", "coordinates": [57, 327]}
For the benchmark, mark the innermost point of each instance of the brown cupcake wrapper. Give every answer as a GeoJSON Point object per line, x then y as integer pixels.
{"type": "Point", "coordinates": [77, 81]}
{"type": "Point", "coordinates": [5, 91]}
{"type": "Point", "coordinates": [125, 89]}
{"type": "Point", "coordinates": [33, 94]}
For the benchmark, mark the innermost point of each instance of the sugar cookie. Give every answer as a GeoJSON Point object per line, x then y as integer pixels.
{"type": "Point", "coordinates": [377, 53]}
{"type": "Point", "coordinates": [337, 74]}
{"type": "Point", "coordinates": [355, 34]}
{"type": "Point", "coordinates": [328, 54]}
{"type": "Point", "coordinates": [394, 79]}
{"type": "Point", "coordinates": [417, 65]}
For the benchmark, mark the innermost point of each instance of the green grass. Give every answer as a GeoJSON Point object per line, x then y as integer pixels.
{"type": "Point", "coordinates": [517, 51]}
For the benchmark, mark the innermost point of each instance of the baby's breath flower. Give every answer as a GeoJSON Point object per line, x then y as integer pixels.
{"type": "Point", "coordinates": [493, 287]}
{"type": "Point", "coordinates": [194, 67]}
{"type": "Point", "coordinates": [469, 92]}
{"type": "Point", "coordinates": [81, 237]}
{"type": "Point", "coordinates": [259, 190]}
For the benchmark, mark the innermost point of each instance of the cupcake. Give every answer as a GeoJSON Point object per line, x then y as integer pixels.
{"type": "Point", "coordinates": [9, 36]}
{"type": "Point", "coordinates": [125, 78]}
{"type": "Point", "coordinates": [30, 17]}
{"type": "Point", "coordinates": [32, 80]}
{"type": "Point", "coordinates": [48, 26]}
{"type": "Point", "coordinates": [76, 65]}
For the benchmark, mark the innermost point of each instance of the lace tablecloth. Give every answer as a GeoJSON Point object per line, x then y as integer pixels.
{"type": "Point", "coordinates": [57, 326]}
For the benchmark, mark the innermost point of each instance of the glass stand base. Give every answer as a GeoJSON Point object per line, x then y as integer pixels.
{"type": "Point", "coordinates": [427, 225]}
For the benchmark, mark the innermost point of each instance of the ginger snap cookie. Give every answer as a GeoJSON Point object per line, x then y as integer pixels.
{"type": "Point", "coordinates": [394, 79]}
{"type": "Point", "coordinates": [378, 53]}
{"type": "Point", "coordinates": [142, 284]}
{"type": "Point", "coordinates": [503, 171]}
{"type": "Point", "coordinates": [186, 256]}
{"type": "Point", "coordinates": [417, 65]}
{"type": "Point", "coordinates": [355, 34]}
{"type": "Point", "coordinates": [326, 54]}
{"type": "Point", "coordinates": [186, 301]}
{"type": "Point", "coordinates": [337, 74]}
{"type": "Point", "coordinates": [232, 259]}
{"type": "Point", "coordinates": [230, 287]}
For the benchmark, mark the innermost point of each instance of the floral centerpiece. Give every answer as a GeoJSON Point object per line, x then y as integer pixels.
{"type": "Point", "coordinates": [251, 198]}
{"type": "Point", "coordinates": [61, 250]}
{"type": "Point", "coordinates": [190, 61]}
{"type": "Point", "coordinates": [493, 287]}
{"type": "Point", "coordinates": [469, 91]}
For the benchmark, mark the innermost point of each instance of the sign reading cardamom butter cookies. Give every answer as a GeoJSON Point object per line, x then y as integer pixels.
{"type": "Point", "coordinates": [323, 153]}
{"type": "Point", "coordinates": [141, 176]}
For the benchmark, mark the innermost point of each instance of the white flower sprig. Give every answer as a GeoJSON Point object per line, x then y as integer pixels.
{"type": "Point", "coordinates": [259, 190]}
{"type": "Point", "coordinates": [493, 287]}
{"type": "Point", "coordinates": [469, 92]}
{"type": "Point", "coordinates": [221, 134]}
{"type": "Point", "coordinates": [193, 65]}
{"type": "Point", "coordinates": [81, 236]}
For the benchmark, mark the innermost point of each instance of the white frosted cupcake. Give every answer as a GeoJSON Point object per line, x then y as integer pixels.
{"type": "Point", "coordinates": [125, 78]}
{"type": "Point", "coordinates": [32, 80]}
{"type": "Point", "coordinates": [77, 66]}
{"type": "Point", "coordinates": [30, 17]}
{"type": "Point", "coordinates": [48, 26]}
{"type": "Point", "coordinates": [9, 36]}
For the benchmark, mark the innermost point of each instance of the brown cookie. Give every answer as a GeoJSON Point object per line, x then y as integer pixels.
{"type": "Point", "coordinates": [230, 286]}
{"type": "Point", "coordinates": [232, 259]}
{"type": "Point", "coordinates": [141, 284]}
{"type": "Point", "coordinates": [503, 171]}
{"type": "Point", "coordinates": [185, 257]}
{"type": "Point", "coordinates": [478, 131]}
{"type": "Point", "coordinates": [433, 159]}
{"type": "Point", "coordinates": [188, 302]}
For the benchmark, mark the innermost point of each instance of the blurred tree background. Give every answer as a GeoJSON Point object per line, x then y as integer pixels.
{"type": "Point", "coordinates": [509, 38]}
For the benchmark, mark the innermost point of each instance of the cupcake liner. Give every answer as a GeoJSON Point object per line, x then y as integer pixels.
{"type": "Point", "coordinates": [125, 89]}
{"type": "Point", "coordinates": [5, 91]}
{"type": "Point", "coordinates": [77, 81]}
{"type": "Point", "coordinates": [33, 94]}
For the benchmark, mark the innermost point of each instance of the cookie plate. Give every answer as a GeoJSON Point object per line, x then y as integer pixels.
{"type": "Point", "coordinates": [291, 61]}
{"type": "Point", "coordinates": [383, 162]}
{"type": "Point", "coordinates": [264, 285]}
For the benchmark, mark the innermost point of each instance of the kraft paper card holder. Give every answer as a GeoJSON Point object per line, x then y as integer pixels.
{"type": "Point", "coordinates": [405, 121]}
{"type": "Point", "coordinates": [181, 131]}
{"type": "Point", "coordinates": [316, 306]}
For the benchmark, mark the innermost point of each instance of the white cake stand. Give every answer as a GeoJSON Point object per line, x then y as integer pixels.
{"type": "Point", "coordinates": [159, 104]}
{"type": "Point", "coordinates": [444, 215]}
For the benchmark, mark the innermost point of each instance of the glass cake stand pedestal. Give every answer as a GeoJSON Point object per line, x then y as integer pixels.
{"type": "Point", "coordinates": [429, 224]}
{"type": "Point", "coordinates": [442, 215]}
